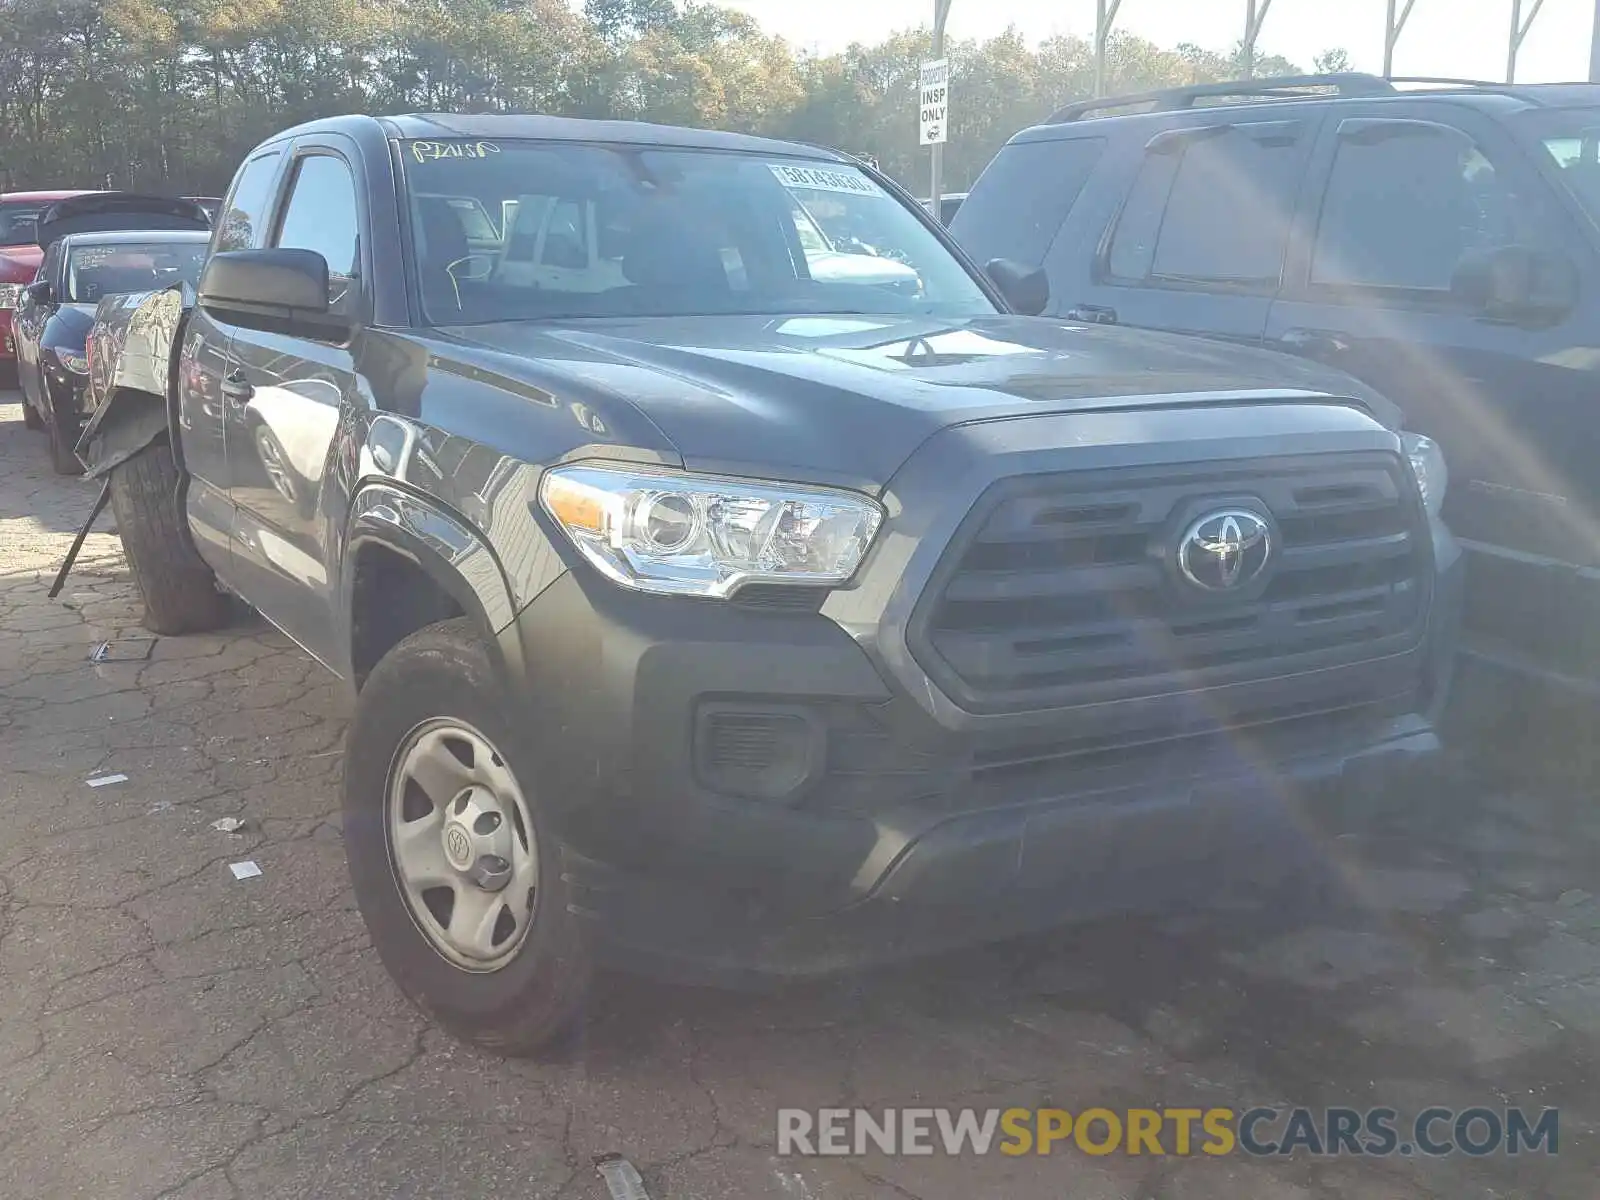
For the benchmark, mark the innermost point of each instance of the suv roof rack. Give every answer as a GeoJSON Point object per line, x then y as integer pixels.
{"type": "Point", "coordinates": [1286, 87]}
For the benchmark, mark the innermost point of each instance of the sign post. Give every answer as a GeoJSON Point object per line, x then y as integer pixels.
{"type": "Point", "coordinates": [935, 118]}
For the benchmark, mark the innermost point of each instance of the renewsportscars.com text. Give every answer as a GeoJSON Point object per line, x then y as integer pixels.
{"type": "Point", "coordinates": [1261, 1132]}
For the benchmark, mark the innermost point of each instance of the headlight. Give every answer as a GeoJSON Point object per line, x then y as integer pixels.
{"type": "Point", "coordinates": [1428, 465]}
{"type": "Point", "coordinates": [77, 363]}
{"type": "Point", "coordinates": [699, 535]}
{"type": "Point", "coordinates": [10, 293]}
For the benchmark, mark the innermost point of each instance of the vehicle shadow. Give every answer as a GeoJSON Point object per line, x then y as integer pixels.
{"type": "Point", "coordinates": [29, 489]}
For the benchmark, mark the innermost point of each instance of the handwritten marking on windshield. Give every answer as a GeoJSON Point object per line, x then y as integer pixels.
{"type": "Point", "coordinates": [426, 151]}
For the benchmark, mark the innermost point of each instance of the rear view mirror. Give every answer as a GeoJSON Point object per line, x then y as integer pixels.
{"type": "Point", "coordinates": [40, 291]}
{"type": "Point", "coordinates": [1517, 283]}
{"type": "Point", "coordinates": [1026, 290]}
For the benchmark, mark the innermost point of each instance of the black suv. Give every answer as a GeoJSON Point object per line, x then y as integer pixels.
{"type": "Point", "coordinates": [1437, 239]}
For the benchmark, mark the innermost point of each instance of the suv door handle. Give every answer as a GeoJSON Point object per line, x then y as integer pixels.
{"type": "Point", "coordinates": [236, 387]}
{"type": "Point", "coordinates": [1315, 343]}
{"type": "Point", "coordinates": [1092, 314]}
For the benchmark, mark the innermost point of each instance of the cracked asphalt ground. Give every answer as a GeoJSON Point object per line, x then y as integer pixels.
{"type": "Point", "coordinates": [166, 1030]}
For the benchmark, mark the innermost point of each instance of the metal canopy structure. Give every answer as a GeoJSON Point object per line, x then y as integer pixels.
{"type": "Point", "coordinates": [1523, 14]}
{"type": "Point", "coordinates": [1594, 47]}
{"type": "Point", "coordinates": [1105, 17]}
{"type": "Point", "coordinates": [1519, 34]}
{"type": "Point", "coordinates": [1255, 12]}
{"type": "Point", "coordinates": [1393, 26]}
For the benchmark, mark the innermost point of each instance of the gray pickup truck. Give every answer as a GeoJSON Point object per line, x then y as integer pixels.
{"type": "Point", "coordinates": [711, 613]}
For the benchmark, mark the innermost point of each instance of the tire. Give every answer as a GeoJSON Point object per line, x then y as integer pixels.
{"type": "Point", "coordinates": [62, 457]}
{"type": "Point", "coordinates": [30, 416]}
{"type": "Point", "coordinates": [179, 590]}
{"type": "Point", "coordinates": [531, 1003]}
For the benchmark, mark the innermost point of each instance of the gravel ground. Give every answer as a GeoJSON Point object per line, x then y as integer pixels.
{"type": "Point", "coordinates": [167, 1030]}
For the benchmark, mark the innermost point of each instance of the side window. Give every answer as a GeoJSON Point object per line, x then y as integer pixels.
{"type": "Point", "coordinates": [1210, 207]}
{"type": "Point", "coordinates": [240, 224]}
{"type": "Point", "coordinates": [321, 215]}
{"type": "Point", "coordinates": [1406, 202]}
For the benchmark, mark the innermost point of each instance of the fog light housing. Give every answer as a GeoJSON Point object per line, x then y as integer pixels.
{"type": "Point", "coordinates": [758, 752]}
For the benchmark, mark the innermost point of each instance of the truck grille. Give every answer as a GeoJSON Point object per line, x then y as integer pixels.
{"type": "Point", "coordinates": [1061, 589]}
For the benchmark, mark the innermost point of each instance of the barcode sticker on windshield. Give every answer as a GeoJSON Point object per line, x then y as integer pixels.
{"type": "Point", "coordinates": [821, 179]}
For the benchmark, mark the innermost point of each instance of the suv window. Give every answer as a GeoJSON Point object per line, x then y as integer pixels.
{"type": "Point", "coordinates": [1019, 204]}
{"type": "Point", "coordinates": [1405, 202]}
{"type": "Point", "coordinates": [1210, 207]}
{"type": "Point", "coordinates": [321, 215]}
{"type": "Point", "coordinates": [239, 226]}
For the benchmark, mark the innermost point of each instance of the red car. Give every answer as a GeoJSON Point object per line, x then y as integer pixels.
{"type": "Point", "coordinates": [19, 255]}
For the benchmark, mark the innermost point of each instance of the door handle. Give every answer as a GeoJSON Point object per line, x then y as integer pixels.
{"type": "Point", "coordinates": [1092, 314]}
{"type": "Point", "coordinates": [1315, 343]}
{"type": "Point", "coordinates": [236, 387]}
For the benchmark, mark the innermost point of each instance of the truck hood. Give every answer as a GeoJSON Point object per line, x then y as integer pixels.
{"type": "Point", "coordinates": [847, 399]}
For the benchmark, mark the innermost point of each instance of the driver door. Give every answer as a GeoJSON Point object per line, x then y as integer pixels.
{"type": "Point", "coordinates": [285, 399]}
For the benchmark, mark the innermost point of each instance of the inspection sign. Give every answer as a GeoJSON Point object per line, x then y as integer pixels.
{"type": "Point", "coordinates": [933, 88]}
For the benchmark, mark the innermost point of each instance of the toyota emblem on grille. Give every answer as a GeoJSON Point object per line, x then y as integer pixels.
{"type": "Point", "coordinates": [1226, 549]}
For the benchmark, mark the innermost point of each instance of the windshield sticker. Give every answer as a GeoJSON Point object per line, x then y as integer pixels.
{"type": "Point", "coordinates": [821, 179]}
{"type": "Point", "coordinates": [426, 151]}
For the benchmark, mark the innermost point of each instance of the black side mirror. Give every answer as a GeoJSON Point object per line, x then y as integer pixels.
{"type": "Point", "coordinates": [1516, 283]}
{"type": "Point", "coordinates": [40, 291]}
{"type": "Point", "coordinates": [274, 289]}
{"type": "Point", "coordinates": [1026, 290]}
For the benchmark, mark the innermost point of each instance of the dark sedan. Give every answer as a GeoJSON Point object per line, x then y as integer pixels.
{"type": "Point", "coordinates": [57, 312]}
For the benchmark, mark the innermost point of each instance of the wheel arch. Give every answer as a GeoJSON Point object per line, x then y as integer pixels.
{"type": "Point", "coordinates": [388, 527]}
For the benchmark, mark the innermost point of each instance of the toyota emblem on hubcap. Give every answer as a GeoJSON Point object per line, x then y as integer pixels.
{"type": "Point", "coordinates": [458, 846]}
{"type": "Point", "coordinates": [1225, 549]}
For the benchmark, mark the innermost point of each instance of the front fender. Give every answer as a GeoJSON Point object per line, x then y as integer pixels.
{"type": "Point", "coordinates": [130, 377]}
{"type": "Point", "coordinates": [124, 424]}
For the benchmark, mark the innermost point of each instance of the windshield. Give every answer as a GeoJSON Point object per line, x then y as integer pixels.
{"type": "Point", "coordinates": [96, 271]}
{"type": "Point", "coordinates": [19, 224]}
{"type": "Point", "coordinates": [1570, 139]}
{"type": "Point", "coordinates": [592, 231]}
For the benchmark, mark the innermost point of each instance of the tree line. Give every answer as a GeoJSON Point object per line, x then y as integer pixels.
{"type": "Point", "coordinates": [166, 95]}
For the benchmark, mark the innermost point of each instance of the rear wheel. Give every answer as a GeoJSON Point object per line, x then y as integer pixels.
{"type": "Point", "coordinates": [179, 590]}
{"type": "Point", "coordinates": [451, 856]}
{"type": "Point", "coordinates": [30, 416]}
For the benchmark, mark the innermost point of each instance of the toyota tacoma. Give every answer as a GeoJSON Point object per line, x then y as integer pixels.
{"type": "Point", "coordinates": [706, 614]}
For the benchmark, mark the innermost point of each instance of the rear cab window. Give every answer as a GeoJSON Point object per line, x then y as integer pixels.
{"type": "Point", "coordinates": [1024, 196]}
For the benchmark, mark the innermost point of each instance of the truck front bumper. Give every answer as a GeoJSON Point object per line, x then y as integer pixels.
{"type": "Point", "coordinates": [742, 792]}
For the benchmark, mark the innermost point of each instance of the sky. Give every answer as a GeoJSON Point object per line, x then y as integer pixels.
{"type": "Point", "coordinates": [1458, 38]}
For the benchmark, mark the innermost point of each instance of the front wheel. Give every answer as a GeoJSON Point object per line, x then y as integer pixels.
{"type": "Point", "coordinates": [30, 416]}
{"type": "Point", "coordinates": [454, 864]}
